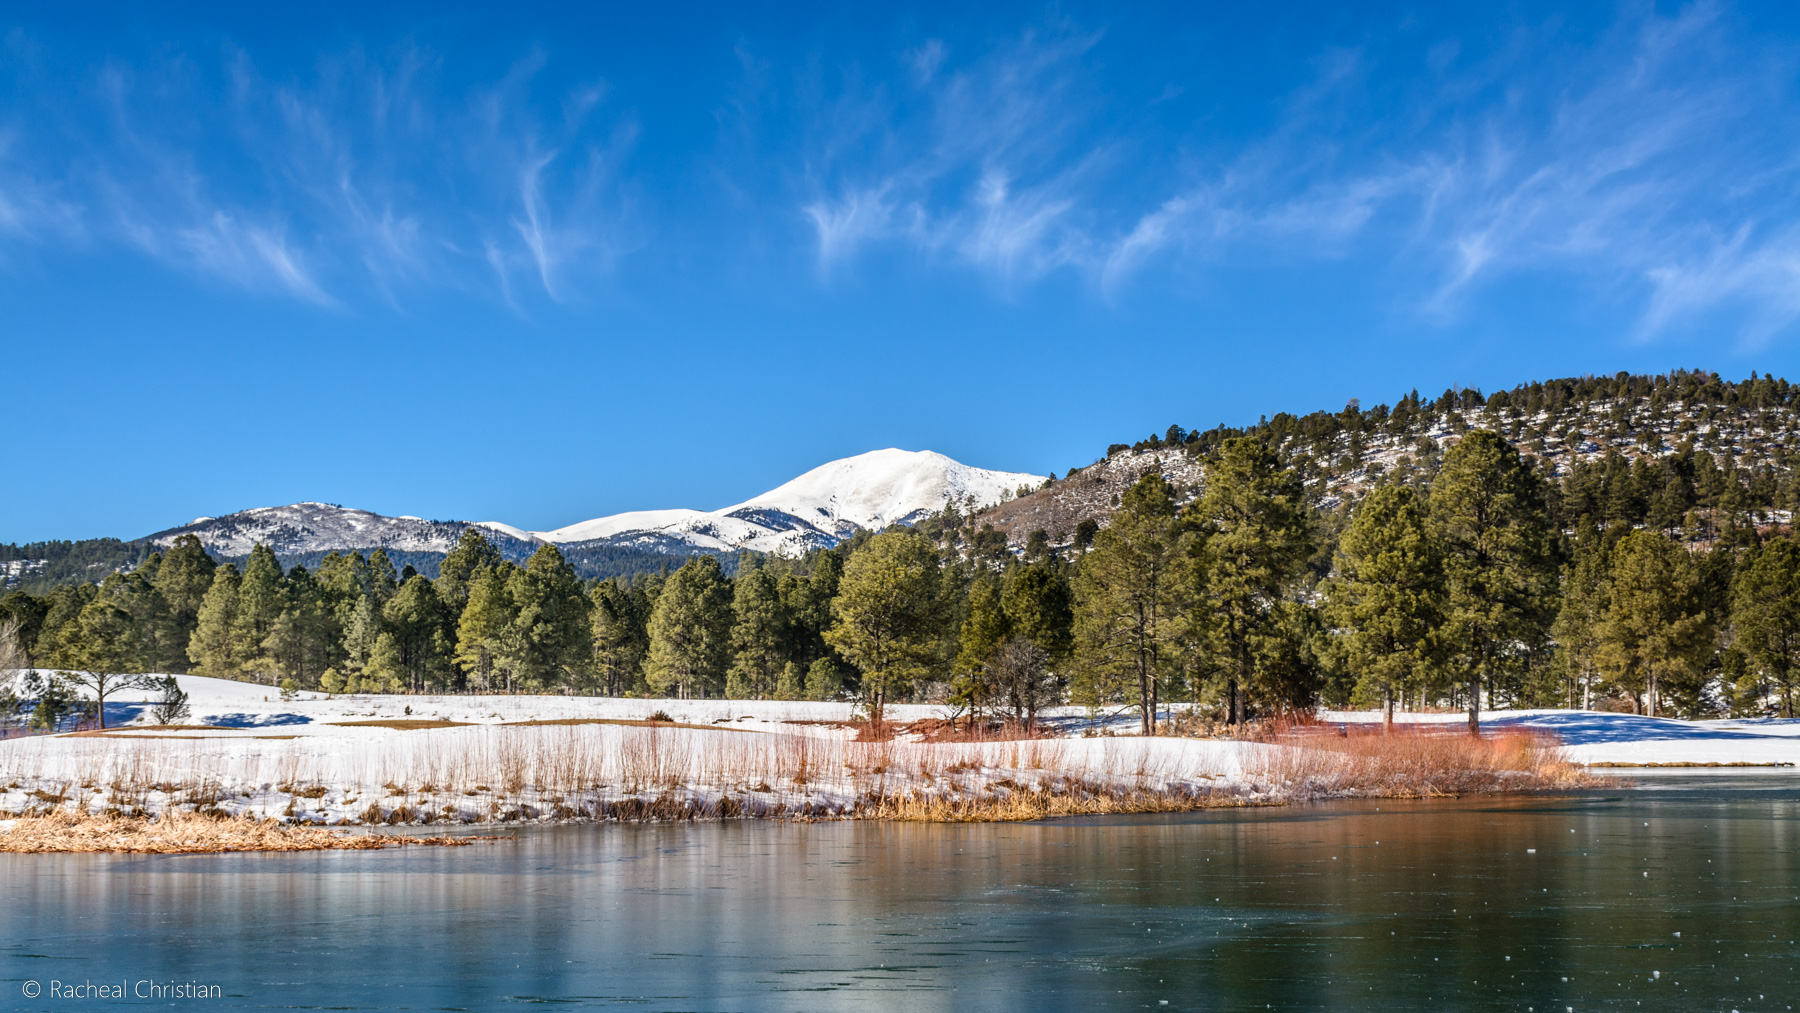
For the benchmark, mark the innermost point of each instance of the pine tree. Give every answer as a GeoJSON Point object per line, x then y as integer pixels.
{"type": "Point", "coordinates": [759, 636]}
{"type": "Point", "coordinates": [1253, 541]}
{"type": "Point", "coordinates": [472, 554]}
{"type": "Point", "coordinates": [690, 631]}
{"type": "Point", "coordinates": [1500, 554]}
{"type": "Point", "coordinates": [183, 579]}
{"type": "Point", "coordinates": [213, 646]}
{"type": "Point", "coordinates": [1577, 626]}
{"type": "Point", "coordinates": [983, 630]}
{"type": "Point", "coordinates": [382, 580]}
{"type": "Point", "coordinates": [385, 670]}
{"type": "Point", "coordinates": [101, 650]}
{"type": "Point", "coordinates": [1653, 629]}
{"type": "Point", "coordinates": [1129, 597]}
{"type": "Point", "coordinates": [621, 634]}
{"type": "Point", "coordinates": [484, 633]}
{"type": "Point", "coordinates": [1039, 606]}
{"type": "Point", "coordinates": [300, 645]}
{"type": "Point", "coordinates": [1765, 615]}
{"type": "Point", "coordinates": [1388, 593]}
{"type": "Point", "coordinates": [361, 633]}
{"type": "Point", "coordinates": [824, 679]}
{"type": "Point", "coordinates": [886, 618]}
{"type": "Point", "coordinates": [550, 632]}
{"type": "Point", "coordinates": [261, 600]}
{"type": "Point", "coordinates": [420, 622]}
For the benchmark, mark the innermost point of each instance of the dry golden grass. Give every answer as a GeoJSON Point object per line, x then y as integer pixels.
{"type": "Point", "coordinates": [401, 724]}
{"type": "Point", "coordinates": [1050, 802]}
{"type": "Point", "coordinates": [1418, 762]}
{"type": "Point", "coordinates": [178, 832]}
{"type": "Point", "coordinates": [636, 722]}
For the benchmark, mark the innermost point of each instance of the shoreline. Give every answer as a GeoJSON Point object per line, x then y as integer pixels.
{"type": "Point", "coordinates": [52, 829]}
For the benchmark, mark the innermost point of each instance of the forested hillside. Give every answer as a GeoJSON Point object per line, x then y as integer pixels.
{"type": "Point", "coordinates": [1623, 449]}
{"type": "Point", "coordinates": [1619, 542]}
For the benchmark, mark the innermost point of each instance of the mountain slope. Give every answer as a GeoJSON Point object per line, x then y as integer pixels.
{"type": "Point", "coordinates": [816, 510]}
{"type": "Point", "coordinates": [301, 528]}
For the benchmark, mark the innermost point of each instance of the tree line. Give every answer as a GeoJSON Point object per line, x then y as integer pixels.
{"type": "Point", "coordinates": [1484, 581]}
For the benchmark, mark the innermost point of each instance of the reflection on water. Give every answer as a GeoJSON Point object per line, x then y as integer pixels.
{"type": "Point", "coordinates": [1682, 897]}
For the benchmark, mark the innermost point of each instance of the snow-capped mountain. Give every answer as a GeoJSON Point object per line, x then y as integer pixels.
{"type": "Point", "coordinates": [316, 527]}
{"type": "Point", "coordinates": [820, 508]}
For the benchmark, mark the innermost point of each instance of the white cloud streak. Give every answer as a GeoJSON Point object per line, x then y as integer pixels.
{"type": "Point", "coordinates": [1648, 163]}
{"type": "Point", "coordinates": [370, 177]}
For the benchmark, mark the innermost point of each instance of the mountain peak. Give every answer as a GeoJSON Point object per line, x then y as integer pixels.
{"type": "Point", "coordinates": [817, 509]}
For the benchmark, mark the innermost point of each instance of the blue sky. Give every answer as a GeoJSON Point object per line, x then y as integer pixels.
{"type": "Point", "coordinates": [468, 263]}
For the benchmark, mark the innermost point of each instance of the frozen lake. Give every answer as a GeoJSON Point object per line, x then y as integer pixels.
{"type": "Point", "coordinates": [1682, 893]}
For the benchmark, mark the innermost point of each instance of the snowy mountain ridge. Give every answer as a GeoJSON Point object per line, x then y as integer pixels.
{"type": "Point", "coordinates": [816, 510]}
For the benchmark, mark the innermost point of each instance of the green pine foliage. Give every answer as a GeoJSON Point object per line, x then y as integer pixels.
{"type": "Point", "coordinates": [690, 632]}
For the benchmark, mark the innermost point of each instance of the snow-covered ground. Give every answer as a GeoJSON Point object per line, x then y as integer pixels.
{"type": "Point", "coordinates": [1605, 737]}
{"type": "Point", "coordinates": [480, 758]}
{"type": "Point", "coordinates": [309, 756]}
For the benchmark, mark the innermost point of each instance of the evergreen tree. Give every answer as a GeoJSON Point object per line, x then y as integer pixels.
{"type": "Point", "coordinates": [1653, 628]}
{"type": "Point", "coordinates": [472, 554]}
{"type": "Point", "coordinates": [26, 614]}
{"type": "Point", "coordinates": [550, 631]}
{"type": "Point", "coordinates": [621, 634]}
{"type": "Point", "coordinates": [984, 629]}
{"type": "Point", "coordinates": [1577, 626]}
{"type": "Point", "coordinates": [824, 679]}
{"type": "Point", "coordinates": [213, 646]}
{"type": "Point", "coordinates": [361, 635]}
{"type": "Point", "coordinates": [809, 606]}
{"type": "Point", "coordinates": [382, 580]}
{"type": "Point", "coordinates": [484, 633]}
{"type": "Point", "coordinates": [102, 649]}
{"type": "Point", "coordinates": [300, 645]}
{"type": "Point", "coordinates": [759, 636]}
{"type": "Point", "coordinates": [1388, 594]}
{"type": "Point", "coordinates": [1765, 615]}
{"type": "Point", "coordinates": [385, 669]}
{"type": "Point", "coordinates": [184, 577]}
{"type": "Point", "coordinates": [261, 600]}
{"type": "Point", "coordinates": [63, 607]}
{"type": "Point", "coordinates": [1129, 597]}
{"type": "Point", "coordinates": [1253, 541]}
{"type": "Point", "coordinates": [690, 631]}
{"type": "Point", "coordinates": [1039, 606]}
{"type": "Point", "coordinates": [887, 614]}
{"type": "Point", "coordinates": [1500, 557]}
{"type": "Point", "coordinates": [421, 626]}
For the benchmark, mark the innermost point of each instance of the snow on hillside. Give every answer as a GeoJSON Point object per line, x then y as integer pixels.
{"type": "Point", "coordinates": [311, 527]}
{"type": "Point", "coordinates": [883, 487]}
{"type": "Point", "coordinates": [818, 509]}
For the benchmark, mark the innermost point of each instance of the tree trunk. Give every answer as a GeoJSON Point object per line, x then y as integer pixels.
{"type": "Point", "coordinates": [1387, 708]}
{"type": "Point", "coordinates": [1650, 693]}
{"type": "Point", "coordinates": [1475, 697]}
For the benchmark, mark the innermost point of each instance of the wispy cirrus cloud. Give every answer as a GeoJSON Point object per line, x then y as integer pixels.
{"type": "Point", "coordinates": [979, 161]}
{"type": "Point", "coordinates": [369, 176]}
{"type": "Point", "coordinates": [1648, 161]}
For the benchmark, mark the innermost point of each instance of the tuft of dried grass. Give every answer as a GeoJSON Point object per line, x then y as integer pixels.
{"type": "Point", "coordinates": [1416, 762]}
{"type": "Point", "coordinates": [1044, 802]}
{"type": "Point", "coordinates": [180, 832]}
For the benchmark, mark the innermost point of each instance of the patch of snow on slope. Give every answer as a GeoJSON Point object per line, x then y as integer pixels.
{"type": "Point", "coordinates": [818, 509]}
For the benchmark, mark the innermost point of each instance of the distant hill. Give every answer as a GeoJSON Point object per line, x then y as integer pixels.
{"type": "Point", "coordinates": [816, 510]}
{"type": "Point", "coordinates": [1580, 430]}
